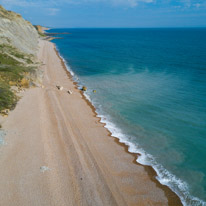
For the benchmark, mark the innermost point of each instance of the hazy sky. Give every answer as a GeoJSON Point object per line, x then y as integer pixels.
{"type": "Point", "coordinates": [111, 13]}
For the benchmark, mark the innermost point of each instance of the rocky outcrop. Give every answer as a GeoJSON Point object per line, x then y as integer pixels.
{"type": "Point", "coordinates": [84, 88]}
{"type": "Point", "coordinates": [17, 32]}
{"type": "Point", "coordinates": [39, 28]}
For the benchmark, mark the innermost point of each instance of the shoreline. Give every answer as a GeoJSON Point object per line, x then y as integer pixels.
{"type": "Point", "coordinates": [173, 198]}
{"type": "Point", "coordinates": [57, 152]}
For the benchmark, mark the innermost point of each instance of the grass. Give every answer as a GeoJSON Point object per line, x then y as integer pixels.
{"type": "Point", "coordinates": [39, 32]}
{"type": "Point", "coordinates": [7, 60]}
{"type": "Point", "coordinates": [14, 52]}
{"type": "Point", "coordinates": [42, 34]}
{"type": "Point", "coordinates": [8, 99]}
{"type": "Point", "coordinates": [12, 73]}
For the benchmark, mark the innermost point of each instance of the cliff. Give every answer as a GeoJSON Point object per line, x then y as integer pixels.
{"type": "Point", "coordinates": [18, 66]}
{"type": "Point", "coordinates": [16, 31]}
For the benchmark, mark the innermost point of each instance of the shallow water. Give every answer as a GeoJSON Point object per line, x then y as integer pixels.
{"type": "Point", "coordinates": [151, 92]}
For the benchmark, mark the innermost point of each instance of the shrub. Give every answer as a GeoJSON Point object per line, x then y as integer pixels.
{"type": "Point", "coordinates": [7, 98]}
{"type": "Point", "coordinates": [25, 83]}
{"type": "Point", "coordinates": [12, 73]}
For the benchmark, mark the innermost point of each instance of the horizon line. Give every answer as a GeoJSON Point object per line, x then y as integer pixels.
{"type": "Point", "coordinates": [191, 27]}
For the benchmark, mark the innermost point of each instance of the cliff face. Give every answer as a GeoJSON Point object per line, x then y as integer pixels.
{"type": "Point", "coordinates": [17, 32]}
{"type": "Point", "coordinates": [18, 66]}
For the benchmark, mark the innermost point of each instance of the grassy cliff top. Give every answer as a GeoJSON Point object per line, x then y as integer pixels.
{"type": "Point", "coordinates": [8, 14]}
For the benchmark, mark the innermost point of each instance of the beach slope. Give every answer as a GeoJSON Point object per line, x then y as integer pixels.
{"type": "Point", "coordinates": [58, 153]}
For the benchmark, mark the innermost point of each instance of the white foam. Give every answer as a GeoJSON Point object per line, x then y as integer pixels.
{"type": "Point", "coordinates": [87, 96]}
{"type": "Point", "coordinates": [65, 62]}
{"type": "Point", "coordinates": [163, 176]}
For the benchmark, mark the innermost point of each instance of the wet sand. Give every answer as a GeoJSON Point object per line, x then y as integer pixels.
{"type": "Point", "coordinates": [59, 132]}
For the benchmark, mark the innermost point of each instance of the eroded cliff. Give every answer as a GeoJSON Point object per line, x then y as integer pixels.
{"type": "Point", "coordinates": [16, 31]}
{"type": "Point", "coordinates": [18, 66]}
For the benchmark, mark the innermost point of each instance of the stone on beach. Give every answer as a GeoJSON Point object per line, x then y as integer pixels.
{"type": "Point", "coordinates": [44, 169]}
{"type": "Point", "coordinates": [5, 112]}
{"type": "Point", "coordinates": [69, 92]}
{"type": "Point", "coordinates": [59, 87]}
{"type": "Point", "coordinates": [84, 88]}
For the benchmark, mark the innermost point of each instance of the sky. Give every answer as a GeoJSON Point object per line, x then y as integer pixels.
{"type": "Point", "coordinates": [111, 13]}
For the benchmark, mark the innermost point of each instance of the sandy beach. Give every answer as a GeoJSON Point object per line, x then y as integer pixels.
{"type": "Point", "coordinates": [58, 153]}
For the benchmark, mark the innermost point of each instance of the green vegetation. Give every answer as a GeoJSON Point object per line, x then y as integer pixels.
{"type": "Point", "coordinates": [14, 72]}
{"type": "Point", "coordinates": [38, 28]}
{"type": "Point", "coordinates": [6, 49]}
{"type": "Point", "coordinates": [41, 34]}
{"type": "Point", "coordinates": [7, 98]}
{"type": "Point", "coordinates": [16, 68]}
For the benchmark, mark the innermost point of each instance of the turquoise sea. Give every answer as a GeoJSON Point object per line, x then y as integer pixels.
{"type": "Point", "coordinates": [151, 93]}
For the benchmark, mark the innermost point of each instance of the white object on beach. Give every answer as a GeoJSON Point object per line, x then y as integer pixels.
{"type": "Point", "coordinates": [44, 169]}
{"type": "Point", "coordinates": [69, 91]}
{"type": "Point", "coordinates": [59, 87]}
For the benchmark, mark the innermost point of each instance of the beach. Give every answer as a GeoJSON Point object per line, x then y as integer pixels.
{"type": "Point", "coordinates": [57, 152]}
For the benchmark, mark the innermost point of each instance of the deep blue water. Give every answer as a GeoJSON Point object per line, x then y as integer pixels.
{"type": "Point", "coordinates": [151, 92]}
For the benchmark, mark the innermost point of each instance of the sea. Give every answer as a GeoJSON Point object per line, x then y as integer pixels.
{"type": "Point", "coordinates": [151, 94]}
